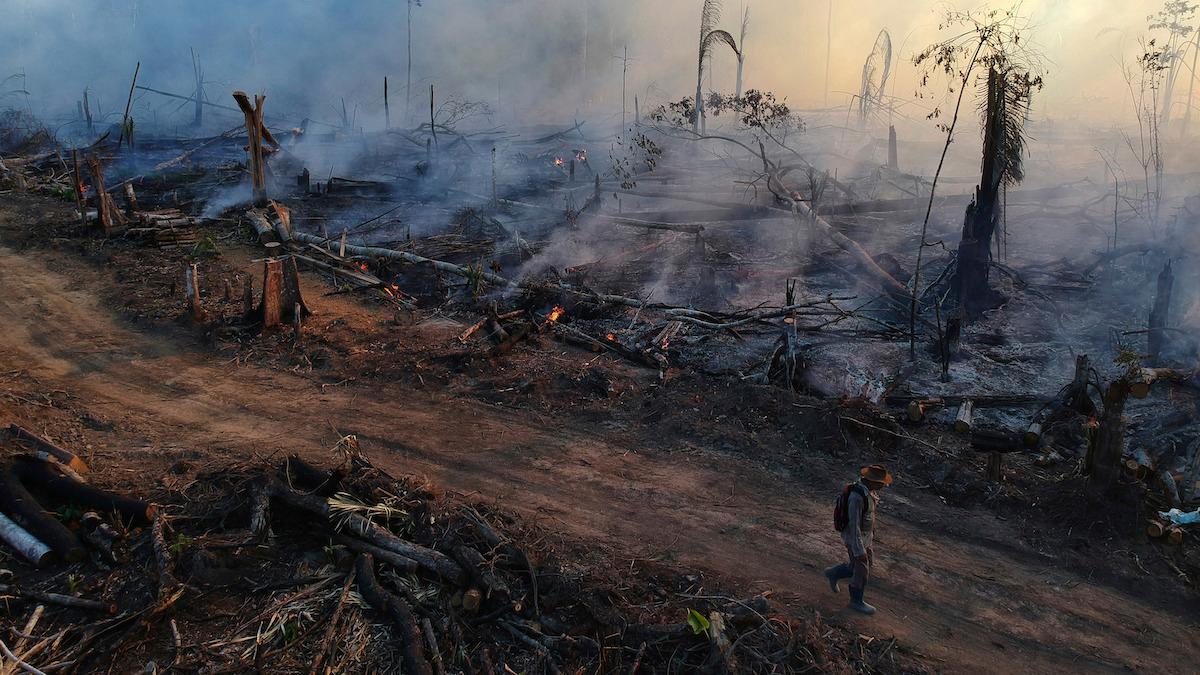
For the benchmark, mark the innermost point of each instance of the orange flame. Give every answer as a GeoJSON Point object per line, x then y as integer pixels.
{"type": "Point", "coordinates": [556, 313]}
{"type": "Point", "coordinates": [610, 337]}
{"type": "Point", "coordinates": [558, 161]}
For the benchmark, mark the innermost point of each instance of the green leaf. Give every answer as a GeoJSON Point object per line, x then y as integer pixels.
{"type": "Point", "coordinates": [697, 621]}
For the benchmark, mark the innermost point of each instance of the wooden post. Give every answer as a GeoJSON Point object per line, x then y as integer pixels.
{"type": "Point", "coordinates": [342, 245]}
{"type": "Point", "coordinates": [254, 130]}
{"type": "Point", "coordinates": [571, 171]}
{"type": "Point", "coordinates": [192, 288]}
{"type": "Point", "coordinates": [387, 113]}
{"type": "Point", "coordinates": [1160, 314]}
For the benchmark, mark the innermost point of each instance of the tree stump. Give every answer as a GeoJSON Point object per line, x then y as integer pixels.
{"type": "Point", "coordinates": [282, 300]}
{"type": "Point", "coordinates": [1103, 461]}
{"type": "Point", "coordinates": [192, 289]}
{"type": "Point", "coordinates": [1160, 314]}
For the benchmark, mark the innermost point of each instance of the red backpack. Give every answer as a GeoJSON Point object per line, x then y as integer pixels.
{"type": "Point", "coordinates": [841, 509]}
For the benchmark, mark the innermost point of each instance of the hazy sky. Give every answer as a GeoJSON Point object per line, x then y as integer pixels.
{"type": "Point", "coordinates": [519, 53]}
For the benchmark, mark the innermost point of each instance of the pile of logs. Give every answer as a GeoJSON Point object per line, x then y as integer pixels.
{"type": "Point", "coordinates": [448, 584]}
{"type": "Point", "coordinates": [26, 524]}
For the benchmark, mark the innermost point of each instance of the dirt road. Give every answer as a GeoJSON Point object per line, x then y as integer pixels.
{"type": "Point", "coordinates": [963, 590]}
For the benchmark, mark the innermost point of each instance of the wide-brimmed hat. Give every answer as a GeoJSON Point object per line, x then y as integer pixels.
{"type": "Point", "coordinates": [876, 473]}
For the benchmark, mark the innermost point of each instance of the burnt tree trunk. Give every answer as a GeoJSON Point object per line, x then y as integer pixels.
{"type": "Point", "coordinates": [1160, 314]}
{"type": "Point", "coordinates": [893, 155]}
{"type": "Point", "coordinates": [254, 132]}
{"type": "Point", "coordinates": [1076, 397]}
{"type": "Point", "coordinates": [970, 280]}
{"type": "Point", "coordinates": [1103, 462]}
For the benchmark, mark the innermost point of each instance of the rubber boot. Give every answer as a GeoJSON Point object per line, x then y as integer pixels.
{"type": "Point", "coordinates": [857, 603]}
{"type": "Point", "coordinates": [836, 573]}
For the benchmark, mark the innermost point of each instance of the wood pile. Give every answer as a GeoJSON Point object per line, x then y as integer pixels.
{"type": "Point", "coordinates": [351, 570]}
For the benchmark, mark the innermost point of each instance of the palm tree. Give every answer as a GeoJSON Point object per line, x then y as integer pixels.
{"type": "Point", "coordinates": [710, 14]}
{"type": "Point", "coordinates": [742, 54]}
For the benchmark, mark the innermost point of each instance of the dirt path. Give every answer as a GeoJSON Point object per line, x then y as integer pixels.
{"type": "Point", "coordinates": [978, 601]}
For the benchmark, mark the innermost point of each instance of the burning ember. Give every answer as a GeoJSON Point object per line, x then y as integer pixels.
{"type": "Point", "coordinates": [556, 314]}
{"type": "Point", "coordinates": [610, 337]}
{"type": "Point", "coordinates": [581, 155]}
{"type": "Point", "coordinates": [558, 161]}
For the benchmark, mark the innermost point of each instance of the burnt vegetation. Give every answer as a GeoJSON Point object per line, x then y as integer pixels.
{"type": "Point", "coordinates": [998, 304]}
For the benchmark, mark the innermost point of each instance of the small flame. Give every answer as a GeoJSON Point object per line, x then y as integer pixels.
{"type": "Point", "coordinates": [556, 313]}
{"type": "Point", "coordinates": [362, 266]}
{"type": "Point", "coordinates": [581, 155]}
{"type": "Point", "coordinates": [610, 337]}
{"type": "Point", "coordinates": [558, 161]}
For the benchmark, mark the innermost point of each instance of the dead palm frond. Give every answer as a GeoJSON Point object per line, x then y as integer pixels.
{"type": "Point", "coordinates": [876, 70]}
{"type": "Point", "coordinates": [710, 15]}
{"type": "Point", "coordinates": [343, 505]}
{"type": "Point", "coordinates": [1005, 110]}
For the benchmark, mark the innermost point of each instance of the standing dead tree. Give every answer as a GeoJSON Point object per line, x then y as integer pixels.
{"type": "Point", "coordinates": [257, 133]}
{"type": "Point", "coordinates": [1160, 315]}
{"type": "Point", "coordinates": [710, 35]}
{"type": "Point", "coordinates": [994, 40]}
{"type": "Point", "coordinates": [408, 61]}
{"type": "Point", "coordinates": [876, 70]}
{"type": "Point", "coordinates": [741, 55]}
{"type": "Point", "coordinates": [1007, 108]}
{"type": "Point", "coordinates": [198, 93]}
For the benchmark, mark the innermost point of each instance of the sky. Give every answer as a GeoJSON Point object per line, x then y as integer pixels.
{"type": "Point", "coordinates": [525, 58]}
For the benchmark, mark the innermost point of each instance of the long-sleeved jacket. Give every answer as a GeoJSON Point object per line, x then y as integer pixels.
{"type": "Point", "coordinates": [860, 529]}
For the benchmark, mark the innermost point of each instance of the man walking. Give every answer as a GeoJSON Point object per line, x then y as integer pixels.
{"type": "Point", "coordinates": [854, 517]}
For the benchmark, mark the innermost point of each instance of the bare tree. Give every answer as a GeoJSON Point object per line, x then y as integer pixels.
{"type": "Point", "coordinates": [1145, 81]}
{"type": "Point", "coordinates": [1176, 19]}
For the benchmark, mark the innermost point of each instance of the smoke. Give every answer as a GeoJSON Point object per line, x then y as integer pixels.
{"type": "Point", "coordinates": [530, 59]}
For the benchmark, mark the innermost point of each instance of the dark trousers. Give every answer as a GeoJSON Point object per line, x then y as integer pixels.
{"type": "Point", "coordinates": [857, 572]}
